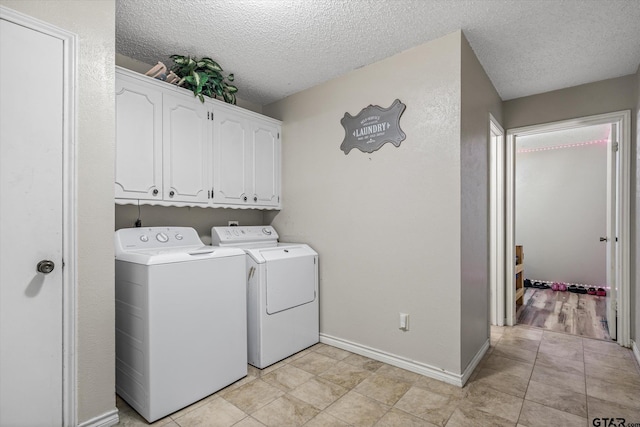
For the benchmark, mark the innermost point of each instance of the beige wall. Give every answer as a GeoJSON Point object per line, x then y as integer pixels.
{"type": "Point", "coordinates": [479, 98]}
{"type": "Point", "coordinates": [202, 219]}
{"type": "Point", "coordinates": [589, 99]}
{"type": "Point", "coordinates": [386, 224]}
{"type": "Point", "coordinates": [94, 23]}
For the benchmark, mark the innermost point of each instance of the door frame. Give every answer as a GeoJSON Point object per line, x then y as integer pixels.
{"type": "Point", "coordinates": [623, 300]}
{"type": "Point", "coordinates": [496, 222]}
{"type": "Point", "coordinates": [69, 205]}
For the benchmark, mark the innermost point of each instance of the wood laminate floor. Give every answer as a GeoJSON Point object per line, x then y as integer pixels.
{"type": "Point", "coordinates": [577, 314]}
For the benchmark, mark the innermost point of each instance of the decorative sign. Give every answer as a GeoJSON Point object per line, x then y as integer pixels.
{"type": "Point", "coordinates": [373, 127]}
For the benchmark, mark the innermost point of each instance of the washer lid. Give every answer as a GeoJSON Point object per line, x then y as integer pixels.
{"type": "Point", "coordinates": [173, 255]}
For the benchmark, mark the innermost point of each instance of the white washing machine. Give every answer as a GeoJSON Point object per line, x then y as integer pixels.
{"type": "Point", "coordinates": [282, 292]}
{"type": "Point", "coordinates": [181, 331]}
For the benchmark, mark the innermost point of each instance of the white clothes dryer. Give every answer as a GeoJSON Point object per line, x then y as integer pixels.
{"type": "Point", "coordinates": [180, 318]}
{"type": "Point", "coordinates": [282, 292]}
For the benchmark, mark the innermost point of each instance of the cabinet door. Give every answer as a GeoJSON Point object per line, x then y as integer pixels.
{"type": "Point", "coordinates": [187, 145]}
{"type": "Point", "coordinates": [232, 173]}
{"type": "Point", "coordinates": [265, 153]}
{"type": "Point", "coordinates": [138, 158]}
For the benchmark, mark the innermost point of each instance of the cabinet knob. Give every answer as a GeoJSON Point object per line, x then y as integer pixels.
{"type": "Point", "coordinates": [172, 193]}
{"type": "Point", "coordinates": [255, 198]}
{"type": "Point", "coordinates": [244, 198]}
{"type": "Point", "coordinates": [155, 191]}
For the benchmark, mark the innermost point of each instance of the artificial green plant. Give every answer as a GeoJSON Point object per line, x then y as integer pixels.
{"type": "Point", "coordinates": [204, 77]}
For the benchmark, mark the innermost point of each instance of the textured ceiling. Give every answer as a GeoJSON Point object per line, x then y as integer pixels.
{"type": "Point", "coordinates": [278, 47]}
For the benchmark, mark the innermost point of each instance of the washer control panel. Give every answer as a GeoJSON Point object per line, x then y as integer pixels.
{"type": "Point", "coordinates": [147, 238]}
{"type": "Point", "coordinates": [221, 236]}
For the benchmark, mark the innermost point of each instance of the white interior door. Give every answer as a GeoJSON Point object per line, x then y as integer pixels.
{"type": "Point", "coordinates": [31, 187]}
{"type": "Point", "coordinates": [611, 242]}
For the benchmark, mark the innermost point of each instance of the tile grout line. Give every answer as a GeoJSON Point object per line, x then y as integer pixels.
{"type": "Point", "coordinates": [535, 360]}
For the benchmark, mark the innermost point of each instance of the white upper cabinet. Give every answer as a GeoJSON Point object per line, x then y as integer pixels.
{"type": "Point", "coordinates": [173, 150]}
{"type": "Point", "coordinates": [187, 149]}
{"type": "Point", "coordinates": [246, 160]}
{"type": "Point", "coordinates": [265, 163]}
{"type": "Point", "coordinates": [231, 168]}
{"type": "Point", "coordinates": [138, 162]}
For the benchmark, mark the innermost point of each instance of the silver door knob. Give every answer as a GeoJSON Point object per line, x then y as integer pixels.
{"type": "Point", "coordinates": [604, 239]}
{"type": "Point", "coordinates": [45, 266]}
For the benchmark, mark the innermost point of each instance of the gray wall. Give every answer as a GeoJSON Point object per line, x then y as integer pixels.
{"type": "Point", "coordinates": [585, 100]}
{"type": "Point", "coordinates": [478, 99]}
{"type": "Point", "coordinates": [94, 23]}
{"type": "Point", "coordinates": [387, 225]}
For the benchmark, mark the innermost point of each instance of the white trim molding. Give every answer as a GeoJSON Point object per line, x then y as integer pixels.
{"type": "Point", "coordinates": [497, 226]}
{"type": "Point", "coordinates": [623, 217]}
{"type": "Point", "coordinates": [636, 351]}
{"type": "Point", "coordinates": [69, 205]}
{"type": "Point", "coordinates": [404, 363]}
{"type": "Point", "coordinates": [107, 419]}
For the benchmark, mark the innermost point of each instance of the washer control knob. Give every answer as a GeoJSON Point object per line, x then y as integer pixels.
{"type": "Point", "coordinates": [144, 238]}
{"type": "Point", "coordinates": [179, 236]}
{"type": "Point", "coordinates": [266, 231]}
{"type": "Point", "coordinates": [162, 238]}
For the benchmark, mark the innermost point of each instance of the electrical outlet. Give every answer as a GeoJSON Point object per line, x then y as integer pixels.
{"type": "Point", "coordinates": [404, 322]}
{"type": "Point", "coordinates": [233, 223]}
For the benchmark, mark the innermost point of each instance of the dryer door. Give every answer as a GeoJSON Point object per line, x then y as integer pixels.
{"type": "Point", "coordinates": [291, 277]}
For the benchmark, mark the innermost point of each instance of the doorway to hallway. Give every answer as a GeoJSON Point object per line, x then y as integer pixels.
{"type": "Point", "coordinates": [616, 234]}
{"type": "Point", "coordinates": [561, 194]}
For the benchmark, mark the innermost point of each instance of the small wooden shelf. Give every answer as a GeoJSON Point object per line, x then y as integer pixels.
{"type": "Point", "coordinates": [519, 276]}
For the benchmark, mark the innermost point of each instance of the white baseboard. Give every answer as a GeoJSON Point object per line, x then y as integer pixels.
{"type": "Point", "coordinates": [636, 351]}
{"type": "Point", "coordinates": [475, 361]}
{"type": "Point", "coordinates": [404, 363]}
{"type": "Point", "coordinates": [107, 419]}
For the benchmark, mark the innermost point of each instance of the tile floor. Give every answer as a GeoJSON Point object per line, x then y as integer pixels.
{"type": "Point", "coordinates": [529, 377]}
